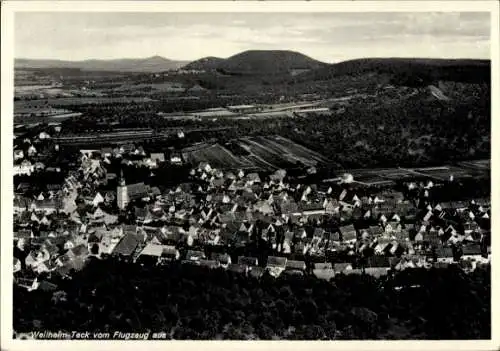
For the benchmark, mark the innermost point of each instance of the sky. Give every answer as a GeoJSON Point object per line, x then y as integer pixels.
{"type": "Point", "coordinates": [329, 37]}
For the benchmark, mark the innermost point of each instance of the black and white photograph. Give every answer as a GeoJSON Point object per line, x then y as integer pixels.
{"type": "Point", "coordinates": [249, 175]}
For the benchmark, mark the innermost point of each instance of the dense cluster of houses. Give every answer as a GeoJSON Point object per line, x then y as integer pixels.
{"type": "Point", "coordinates": [241, 221]}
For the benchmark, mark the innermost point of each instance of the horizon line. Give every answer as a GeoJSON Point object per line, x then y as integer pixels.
{"type": "Point", "coordinates": [224, 58]}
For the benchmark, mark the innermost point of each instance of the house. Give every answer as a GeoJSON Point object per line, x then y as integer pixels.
{"type": "Point", "coordinates": [78, 251]}
{"type": "Point", "coordinates": [63, 260]}
{"type": "Point", "coordinates": [43, 136]}
{"type": "Point", "coordinates": [151, 251]}
{"type": "Point", "coordinates": [127, 245]}
{"type": "Point", "coordinates": [373, 271]}
{"type": "Point", "coordinates": [473, 252]}
{"type": "Point", "coordinates": [32, 151]}
{"type": "Point", "coordinates": [35, 258]}
{"type": "Point", "coordinates": [295, 265]}
{"type": "Point", "coordinates": [47, 205]}
{"type": "Point", "coordinates": [45, 266]}
{"type": "Point", "coordinates": [223, 259]}
{"type": "Point", "coordinates": [29, 284]}
{"type": "Point", "coordinates": [170, 253]}
{"type": "Point", "coordinates": [193, 255]}
{"type": "Point", "coordinates": [97, 200]}
{"type": "Point", "coordinates": [21, 204]}
{"type": "Point", "coordinates": [24, 168]}
{"type": "Point", "coordinates": [348, 233]}
{"type": "Point", "coordinates": [248, 261]}
{"type": "Point", "coordinates": [276, 265]}
{"type": "Point", "coordinates": [324, 271]}
{"type": "Point", "coordinates": [342, 267]}
{"type": "Point", "coordinates": [204, 167]}
{"type": "Point", "coordinates": [252, 178]}
{"type": "Point", "coordinates": [378, 261]}
{"type": "Point", "coordinates": [331, 206]}
{"type": "Point", "coordinates": [444, 255]}
{"type": "Point", "coordinates": [157, 158]}
{"type": "Point", "coordinates": [18, 155]}
{"type": "Point", "coordinates": [17, 265]}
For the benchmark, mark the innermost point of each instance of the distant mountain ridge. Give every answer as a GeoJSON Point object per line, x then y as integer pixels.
{"type": "Point", "coordinates": [283, 63]}
{"type": "Point", "coordinates": [149, 64]}
{"type": "Point", "coordinates": [258, 62]}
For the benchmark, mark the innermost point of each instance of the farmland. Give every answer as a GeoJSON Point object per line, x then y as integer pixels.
{"type": "Point", "coordinates": [217, 155]}
{"type": "Point", "coordinates": [391, 175]}
{"type": "Point", "coordinates": [256, 153]}
{"type": "Point", "coordinates": [97, 101]}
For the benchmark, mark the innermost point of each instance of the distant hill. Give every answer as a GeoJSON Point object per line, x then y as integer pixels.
{"type": "Point", "coordinates": [204, 64]}
{"type": "Point", "coordinates": [259, 62]}
{"type": "Point", "coordinates": [408, 71]}
{"type": "Point", "coordinates": [150, 64]}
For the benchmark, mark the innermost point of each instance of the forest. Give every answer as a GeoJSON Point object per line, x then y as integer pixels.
{"type": "Point", "coordinates": [191, 302]}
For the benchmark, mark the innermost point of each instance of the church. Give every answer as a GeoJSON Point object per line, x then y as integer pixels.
{"type": "Point", "coordinates": [127, 193]}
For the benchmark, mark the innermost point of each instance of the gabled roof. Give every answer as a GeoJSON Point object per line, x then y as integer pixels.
{"type": "Point", "coordinates": [222, 258]}
{"type": "Point", "coordinates": [127, 245]}
{"type": "Point", "coordinates": [443, 252]}
{"type": "Point", "coordinates": [296, 265]}
{"type": "Point", "coordinates": [341, 267]}
{"type": "Point", "coordinates": [152, 250]}
{"type": "Point", "coordinates": [473, 249]}
{"type": "Point", "coordinates": [158, 156]}
{"type": "Point", "coordinates": [80, 250]}
{"type": "Point", "coordinates": [248, 261]}
{"type": "Point", "coordinates": [378, 261]}
{"type": "Point", "coordinates": [169, 251]}
{"type": "Point", "coordinates": [274, 261]}
{"type": "Point", "coordinates": [195, 255]}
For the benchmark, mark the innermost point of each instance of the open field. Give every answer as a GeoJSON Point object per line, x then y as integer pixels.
{"type": "Point", "coordinates": [441, 173]}
{"type": "Point", "coordinates": [281, 152]}
{"type": "Point", "coordinates": [264, 153]}
{"type": "Point", "coordinates": [68, 101]}
{"type": "Point", "coordinates": [157, 87]}
{"type": "Point", "coordinates": [216, 155]}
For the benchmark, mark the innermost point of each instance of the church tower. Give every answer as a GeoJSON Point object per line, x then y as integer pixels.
{"type": "Point", "coordinates": [122, 193]}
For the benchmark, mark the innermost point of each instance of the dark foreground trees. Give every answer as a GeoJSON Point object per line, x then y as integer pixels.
{"type": "Point", "coordinates": [190, 302]}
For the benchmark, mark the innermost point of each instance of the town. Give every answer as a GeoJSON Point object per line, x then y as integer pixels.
{"type": "Point", "coordinates": [247, 222]}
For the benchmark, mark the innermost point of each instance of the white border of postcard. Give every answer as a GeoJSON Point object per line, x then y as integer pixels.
{"type": "Point", "coordinates": [7, 15]}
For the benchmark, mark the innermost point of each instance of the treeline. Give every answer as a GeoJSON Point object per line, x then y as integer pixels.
{"type": "Point", "coordinates": [189, 302]}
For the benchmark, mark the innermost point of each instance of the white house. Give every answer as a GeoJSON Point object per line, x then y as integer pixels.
{"type": "Point", "coordinates": [97, 199]}
{"type": "Point", "coordinates": [18, 155]}
{"type": "Point", "coordinates": [32, 151]}
{"type": "Point", "coordinates": [25, 168]}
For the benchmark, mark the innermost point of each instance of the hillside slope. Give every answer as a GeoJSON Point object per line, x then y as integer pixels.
{"type": "Point", "coordinates": [408, 71]}
{"type": "Point", "coordinates": [204, 64]}
{"type": "Point", "coordinates": [260, 62]}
